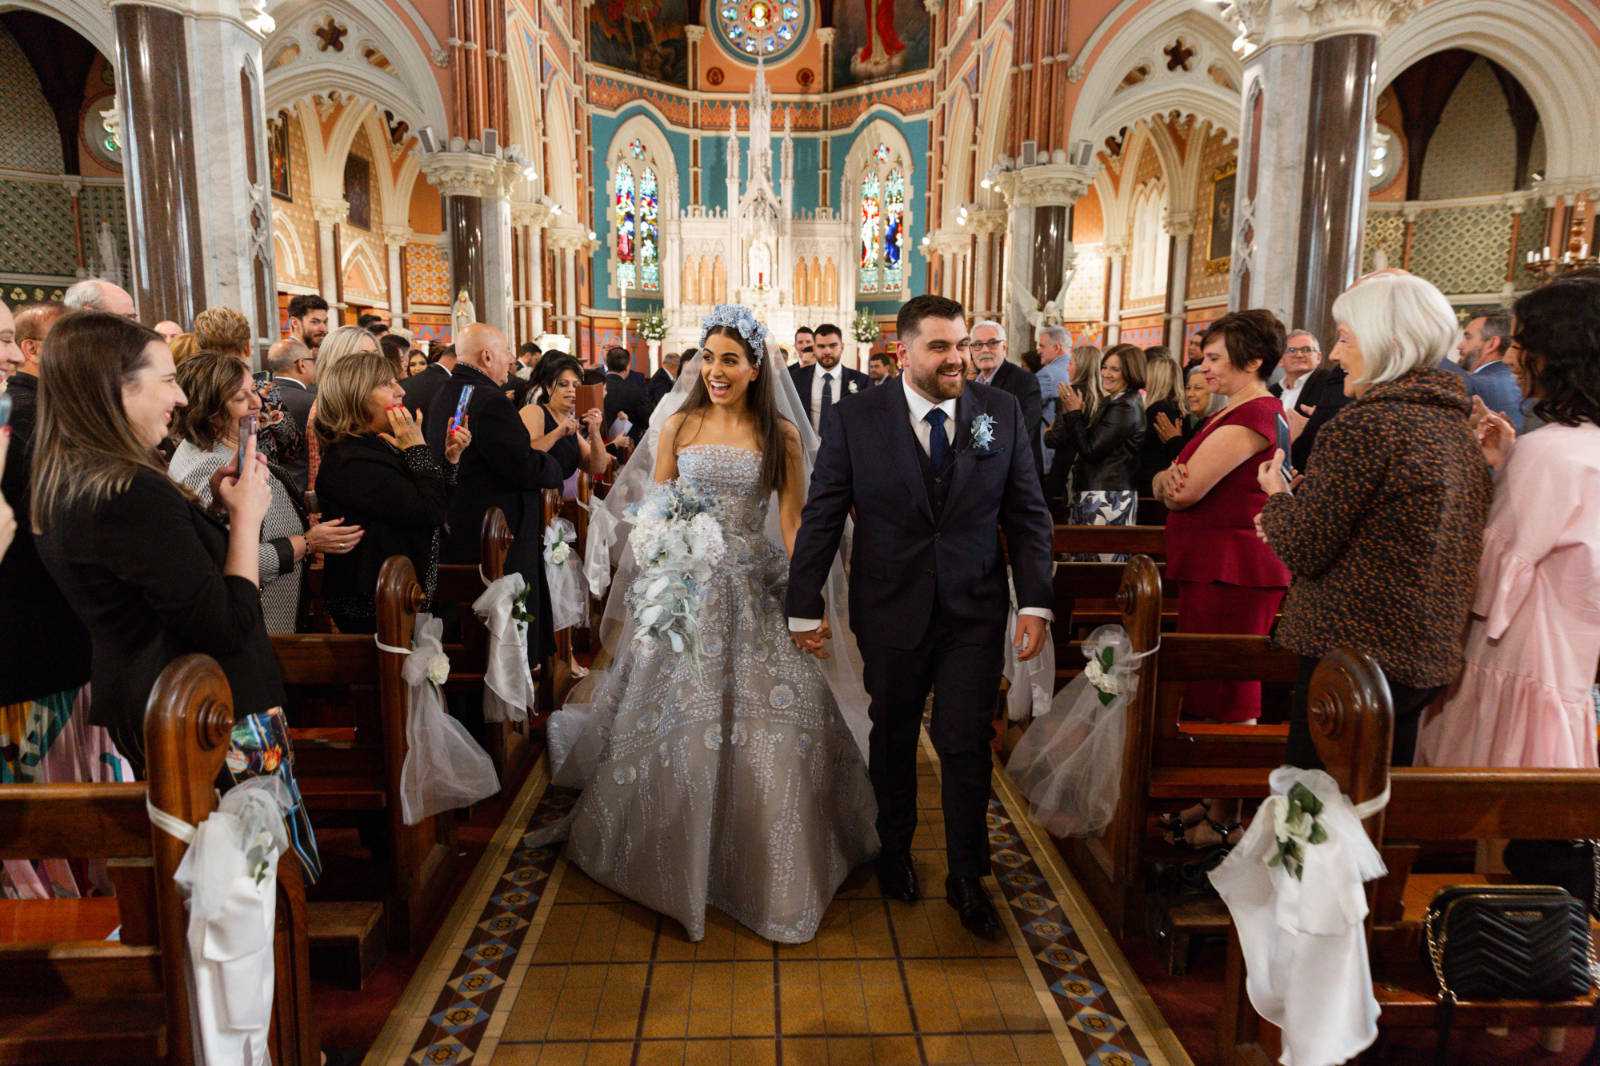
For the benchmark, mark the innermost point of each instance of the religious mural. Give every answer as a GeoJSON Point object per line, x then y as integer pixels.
{"type": "Point", "coordinates": [643, 37]}
{"type": "Point", "coordinates": [878, 39]}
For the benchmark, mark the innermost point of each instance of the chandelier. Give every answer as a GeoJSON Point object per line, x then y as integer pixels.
{"type": "Point", "coordinates": [1546, 267]}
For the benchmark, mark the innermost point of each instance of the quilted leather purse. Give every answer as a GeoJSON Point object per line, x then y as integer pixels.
{"type": "Point", "coordinates": [1497, 942]}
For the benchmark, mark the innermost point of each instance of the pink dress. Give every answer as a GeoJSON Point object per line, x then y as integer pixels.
{"type": "Point", "coordinates": [1534, 638]}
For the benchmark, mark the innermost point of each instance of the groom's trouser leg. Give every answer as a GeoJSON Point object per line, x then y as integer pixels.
{"type": "Point", "coordinates": [898, 682]}
{"type": "Point", "coordinates": [965, 683]}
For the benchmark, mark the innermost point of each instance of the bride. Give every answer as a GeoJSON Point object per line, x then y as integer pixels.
{"type": "Point", "coordinates": [737, 781]}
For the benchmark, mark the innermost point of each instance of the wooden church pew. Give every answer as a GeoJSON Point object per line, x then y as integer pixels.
{"type": "Point", "coordinates": [1426, 807]}
{"type": "Point", "coordinates": [73, 1000]}
{"type": "Point", "coordinates": [1121, 540]}
{"type": "Point", "coordinates": [347, 714]}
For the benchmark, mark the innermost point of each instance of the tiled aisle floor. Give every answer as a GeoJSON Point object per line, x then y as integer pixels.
{"type": "Point", "coordinates": [547, 967]}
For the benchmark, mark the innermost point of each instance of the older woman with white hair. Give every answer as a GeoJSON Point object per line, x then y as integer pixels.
{"type": "Point", "coordinates": [1384, 533]}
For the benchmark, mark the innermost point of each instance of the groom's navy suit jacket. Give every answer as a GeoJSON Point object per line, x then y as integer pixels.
{"type": "Point", "coordinates": [907, 559]}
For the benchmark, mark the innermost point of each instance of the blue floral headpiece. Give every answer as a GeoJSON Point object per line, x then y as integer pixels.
{"type": "Point", "coordinates": [742, 319]}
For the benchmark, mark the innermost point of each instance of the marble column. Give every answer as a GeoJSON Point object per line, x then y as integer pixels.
{"type": "Point", "coordinates": [200, 220]}
{"type": "Point", "coordinates": [1180, 226]}
{"type": "Point", "coordinates": [394, 239]}
{"type": "Point", "coordinates": [476, 190]}
{"type": "Point", "coordinates": [531, 218]}
{"type": "Point", "coordinates": [984, 297]}
{"type": "Point", "coordinates": [1116, 265]}
{"type": "Point", "coordinates": [1308, 109]}
{"type": "Point", "coordinates": [329, 213]}
{"type": "Point", "coordinates": [1039, 252]}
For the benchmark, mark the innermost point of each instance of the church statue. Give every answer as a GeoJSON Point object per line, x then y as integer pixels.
{"type": "Point", "coordinates": [462, 314]}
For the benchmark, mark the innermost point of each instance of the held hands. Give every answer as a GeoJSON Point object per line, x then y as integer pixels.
{"type": "Point", "coordinates": [247, 493]}
{"type": "Point", "coordinates": [815, 641]}
{"type": "Point", "coordinates": [456, 442]}
{"type": "Point", "coordinates": [1495, 435]}
{"type": "Point", "coordinates": [1030, 636]}
{"type": "Point", "coordinates": [1269, 475]}
{"type": "Point", "coordinates": [333, 537]}
{"type": "Point", "coordinates": [407, 430]}
{"type": "Point", "coordinates": [1069, 397]}
{"type": "Point", "coordinates": [1166, 428]}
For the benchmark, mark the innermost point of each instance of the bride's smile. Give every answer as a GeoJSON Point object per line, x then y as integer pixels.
{"type": "Point", "coordinates": [726, 371]}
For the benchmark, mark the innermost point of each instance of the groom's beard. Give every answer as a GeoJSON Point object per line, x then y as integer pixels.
{"type": "Point", "coordinates": [937, 384]}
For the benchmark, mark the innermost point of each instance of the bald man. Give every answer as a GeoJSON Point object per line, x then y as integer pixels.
{"type": "Point", "coordinates": [500, 468]}
{"type": "Point", "coordinates": [168, 329]}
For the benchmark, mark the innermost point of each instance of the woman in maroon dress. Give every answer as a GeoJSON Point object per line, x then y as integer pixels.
{"type": "Point", "coordinates": [1228, 581]}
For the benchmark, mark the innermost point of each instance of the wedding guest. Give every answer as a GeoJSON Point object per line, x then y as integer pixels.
{"type": "Point", "coordinates": [152, 574]}
{"type": "Point", "coordinates": [662, 381]}
{"type": "Point", "coordinates": [1483, 367]}
{"type": "Point", "coordinates": [98, 294]}
{"type": "Point", "coordinates": [881, 368]}
{"type": "Point", "coordinates": [1104, 446]}
{"type": "Point", "coordinates": [397, 348]}
{"type": "Point", "coordinates": [168, 329]}
{"type": "Point", "coordinates": [824, 382]}
{"type": "Point", "coordinates": [1384, 532]}
{"type": "Point", "coordinates": [1321, 398]}
{"type": "Point", "coordinates": [222, 329]}
{"type": "Point", "coordinates": [373, 323]}
{"type": "Point", "coordinates": [1163, 398]}
{"type": "Point", "coordinates": [184, 348]}
{"type": "Point", "coordinates": [528, 356]}
{"type": "Point", "coordinates": [1524, 698]}
{"type": "Point", "coordinates": [624, 396]}
{"type": "Point", "coordinates": [1227, 580]}
{"type": "Point", "coordinates": [294, 371]}
{"type": "Point", "coordinates": [1301, 356]}
{"type": "Point", "coordinates": [308, 319]}
{"type": "Point", "coordinates": [1055, 368]}
{"type": "Point", "coordinates": [346, 340]}
{"type": "Point", "coordinates": [377, 475]}
{"type": "Point", "coordinates": [416, 362]}
{"type": "Point", "coordinates": [420, 389]}
{"type": "Point", "coordinates": [555, 426]}
{"type": "Point", "coordinates": [44, 656]}
{"type": "Point", "coordinates": [990, 359]}
{"type": "Point", "coordinates": [219, 393]}
{"type": "Point", "coordinates": [1031, 362]}
{"type": "Point", "coordinates": [804, 345]}
{"type": "Point", "coordinates": [1192, 356]}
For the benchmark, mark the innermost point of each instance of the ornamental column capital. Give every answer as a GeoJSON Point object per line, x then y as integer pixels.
{"type": "Point", "coordinates": [1044, 185]}
{"type": "Point", "coordinates": [1273, 21]}
{"type": "Point", "coordinates": [469, 173]}
{"type": "Point", "coordinates": [330, 210]}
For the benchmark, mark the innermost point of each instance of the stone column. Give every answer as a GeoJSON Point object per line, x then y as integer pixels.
{"type": "Point", "coordinates": [476, 188]}
{"type": "Point", "coordinates": [1180, 225]}
{"type": "Point", "coordinates": [1309, 99]}
{"type": "Point", "coordinates": [984, 298]}
{"type": "Point", "coordinates": [329, 213]}
{"type": "Point", "coordinates": [1039, 250]}
{"type": "Point", "coordinates": [1116, 263]}
{"type": "Point", "coordinates": [396, 238]}
{"type": "Point", "coordinates": [566, 241]}
{"type": "Point", "coordinates": [195, 159]}
{"type": "Point", "coordinates": [531, 219]}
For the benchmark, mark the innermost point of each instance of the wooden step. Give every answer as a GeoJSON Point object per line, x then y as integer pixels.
{"type": "Point", "coordinates": [348, 940]}
{"type": "Point", "coordinates": [125, 1029]}
{"type": "Point", "coordinates": [1212, 782]}
{"type": "Point", "coordinates": [341, 794]}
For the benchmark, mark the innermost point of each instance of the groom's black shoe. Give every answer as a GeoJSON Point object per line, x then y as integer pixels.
{"type": "Point", "coordinates": [897, 878]}
{"type": "Point", "coordinates": [967, 896]}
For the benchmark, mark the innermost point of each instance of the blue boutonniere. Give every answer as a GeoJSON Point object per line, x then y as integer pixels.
{"type": "Point", "coordinates": [983, 432]}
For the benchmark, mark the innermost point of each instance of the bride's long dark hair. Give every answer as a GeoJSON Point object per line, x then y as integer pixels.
{"type": "Point", "coordinates": [759, 400]}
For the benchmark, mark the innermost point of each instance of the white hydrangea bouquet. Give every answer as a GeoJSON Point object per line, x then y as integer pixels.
{"type": "Point", "coordinates": [677, 542]}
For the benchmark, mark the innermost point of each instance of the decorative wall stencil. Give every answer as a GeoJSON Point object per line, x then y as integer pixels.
{"type": "Point", "coordinates": [1463, 249]}
{"type": "Point", "coordinates": [427, 274]}
{"type": "Point", "coordinates": [28, 138]}
{"type": "Point", "coordinates": [1086, 293]}
{"type": "Point", "coordinates": [878, 39]}
{"type": "Point", "coordinates": [644, 37]}
{"type": "Point", "coordinates": [1530, 238]}
{"type": "Point", "coordinates": [1216, 154]}
{"type": "Point", "coordinates": [294, 228]}
{"type": "Point", "coordinates": [1385, 231]}
{"type": "Point", "coordinates": [1474, 150]}
{"type": "Point", "coordinates": [36, 235]}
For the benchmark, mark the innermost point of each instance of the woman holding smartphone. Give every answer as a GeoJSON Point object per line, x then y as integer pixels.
{"type": "Point", "coordinates": [554, 425]}
{"type": "Point", "coordinates": [222, 398]}
{"type": "Point", "coordinates": [378, 474]}
{"type": "Point", "coordinates": [152, 574]}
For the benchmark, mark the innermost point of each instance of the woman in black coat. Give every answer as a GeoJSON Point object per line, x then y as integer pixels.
{"type": "Point", "coordinates": [151, 574]}
{"type": "Point", "coordinates": [1104, 443]}
{"type": "Point", "coordinates": [377, 472]}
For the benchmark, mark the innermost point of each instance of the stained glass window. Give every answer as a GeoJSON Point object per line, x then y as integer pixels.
{"type": "Point", "coordinates": [636, 148]}
{"type": "Point", "coordinates": [769, 29]}
{"type": "Point", "coordinates": [871, 223]}
{"type": "Point", "coordinates": [637, 210]}
{"type": "Point", "coordinates": [894, 234]}
{"type": "Point", "coordinates": [881, 153]}
{"type": "Point", "coordinates": [649, 232]}
{"type": "Point", "coordinates": [626, 235]}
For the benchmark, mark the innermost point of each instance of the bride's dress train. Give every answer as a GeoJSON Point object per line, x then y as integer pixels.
{"type": "Point", "coordinates": [733, 783]}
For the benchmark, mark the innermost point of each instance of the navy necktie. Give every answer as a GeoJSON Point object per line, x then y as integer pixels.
{"type": "Point", "coordinates": [827, 397]}
{"type": "Point", "coordinates": [938, 442]}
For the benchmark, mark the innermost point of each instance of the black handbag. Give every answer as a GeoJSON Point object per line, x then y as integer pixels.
{"type": "Point", "coordinates": [1495, 942]}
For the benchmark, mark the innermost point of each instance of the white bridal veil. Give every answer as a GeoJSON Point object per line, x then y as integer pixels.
{"type": "Point", "coordinates": [610, 522]}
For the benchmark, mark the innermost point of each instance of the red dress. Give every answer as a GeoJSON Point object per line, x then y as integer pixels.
{"type": "Point", "coordinates": [1228, 580]}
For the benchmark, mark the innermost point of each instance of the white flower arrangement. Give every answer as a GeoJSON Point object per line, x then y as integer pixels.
{"type": "Point", "coordinates": [983, 431]}
{"type": "Point", "coordinates": [678, 543]}
{"type": "Point", "coordinates": [1295, 827]}
{"type": "Point", "coordinates": [653, 326]}
{"type": "Point", "coordinates": [865, 327]}
{"type": "Point", "coordinates": [854, 386]}
{"type": "Point", "coordinates": [439, 668]}
{"type": "Point", "coordinates": [559, 536]}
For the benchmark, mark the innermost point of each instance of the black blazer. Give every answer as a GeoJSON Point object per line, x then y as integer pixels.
{"type": "Point", "coordinates": [420, 389]}
{"type": "Point", "coordinates": [1324, 390]}
{"type": "Point", "coordinates": [398, 498]}
{"type": "Point", "coordinates": [1025, 387]}
{"type": "Point", "coordinates": [499, 469]}
{"type": "Point", "coordinates": [1104, 452]}
{"type": "Point", "coordinates": [906, 561]}
{"type": "Point", "coordinates": [45, 649]}
{"type": "Point", "coordinates": [144, 570]}
{"type": "Point", "coordinates": [630, 394]}
{"type": "Point", "coordinates": [297, 398]}
{"type": "Point", "coordinates": [805, 376]}
{"type": "Point", "coordinates": [1155, 454]}
{"type": "Point", "coordinates": [659, 385]}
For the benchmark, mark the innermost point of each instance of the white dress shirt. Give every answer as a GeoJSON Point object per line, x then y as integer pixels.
{"type": "Point", "coordinates": [1291, 393]}
{"type": "Point", "coordinates": [919, 407]}
{"type": "Point", "coordinates": [815, 406]}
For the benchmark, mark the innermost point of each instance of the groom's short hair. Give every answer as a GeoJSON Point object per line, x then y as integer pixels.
{"type": "Point", "coordinates": [909, 321]}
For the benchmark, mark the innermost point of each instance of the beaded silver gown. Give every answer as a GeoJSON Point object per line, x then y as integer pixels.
{"type": "Point", "coordinates": [736, 784]}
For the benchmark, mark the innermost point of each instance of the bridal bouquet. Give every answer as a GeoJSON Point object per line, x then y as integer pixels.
{"type": "Point", "coordinates": [677, 542]}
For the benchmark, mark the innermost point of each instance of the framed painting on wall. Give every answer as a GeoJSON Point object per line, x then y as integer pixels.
{"type": "Point", "coordinates": [1219, 241]}
{"type": "Point", "coordinates": [278, 161]}
{"type": "Point", "coordinates": [877, 39]}
{"type": "Point", "coordinates": [358, 191]}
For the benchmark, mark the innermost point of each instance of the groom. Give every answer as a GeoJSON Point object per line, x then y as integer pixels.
{"type": "Point", "coordinates": [934, 469]}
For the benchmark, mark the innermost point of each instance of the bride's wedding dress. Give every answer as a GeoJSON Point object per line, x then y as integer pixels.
{"type": "Point", "coordinates": [731, 783]}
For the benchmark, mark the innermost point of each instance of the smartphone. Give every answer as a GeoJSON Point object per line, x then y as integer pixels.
{"type": "Point", "coordinates": [5, 408]}
{"type": "Point", "coordinates": [461, 409]}
{"type": "Point", "coordinates": [1285, 443]}
{"type": "Point", "coordinates": [247, 430]}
